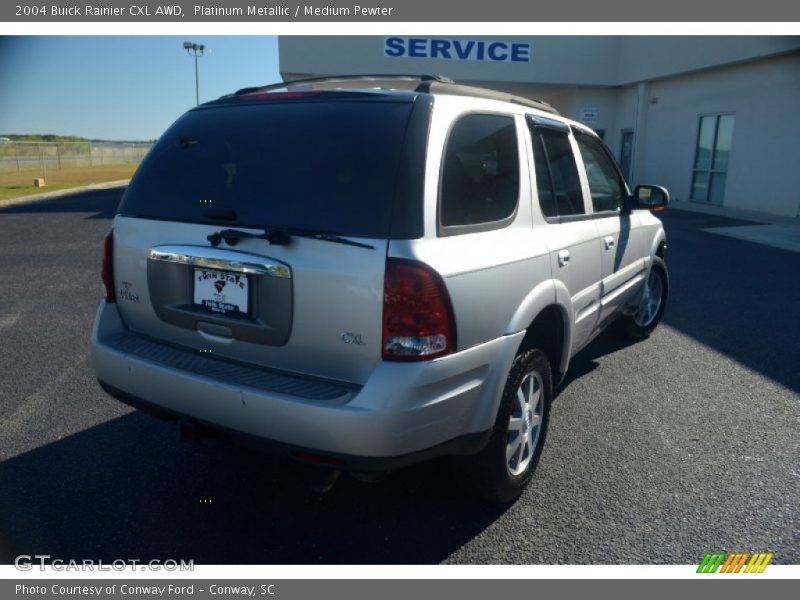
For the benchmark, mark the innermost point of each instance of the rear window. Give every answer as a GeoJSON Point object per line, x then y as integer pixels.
{"type": "Point", "coordinates": [324, 166]}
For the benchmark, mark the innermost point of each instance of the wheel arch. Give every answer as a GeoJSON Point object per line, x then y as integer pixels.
{"type": "Point", "coordinates": [546, 316]}
{"type": "Point", "coordinates": [659, 245]}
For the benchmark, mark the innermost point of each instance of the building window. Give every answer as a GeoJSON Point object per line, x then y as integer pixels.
{"type": "Point", "coordinates": [714, 139]}
{"type": "Point", "coordinates": [480, 175]}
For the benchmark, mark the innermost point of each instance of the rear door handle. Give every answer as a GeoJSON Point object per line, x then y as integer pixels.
{"type": "Point", "coordinates": [609, 242]}
{"type": "Point", "coordinates": [563, 258]}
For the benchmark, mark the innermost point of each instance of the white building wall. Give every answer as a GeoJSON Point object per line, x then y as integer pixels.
{"type": "Point", "coordinates": [652, 57]}
{"type": "Point", "coordinates": [558, 60]}
{"type": "Point", "coordinates": [624, 118]}
{"type": "Point", "coordinates": [600, 99]}
{"type": "Point", "coordinates": [756, 78]}
{"type": "Point", "coordinates": [554, 60]}
{"type": "Point", "coordinates": [764, 164]}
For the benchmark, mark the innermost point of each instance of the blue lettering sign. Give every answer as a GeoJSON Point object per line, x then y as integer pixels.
{"type": "Point", "coordinates": [520, 52]}
{"type": "Point", "coordinates": [497, 51]}
{"type": "Point", "coordinates": [452, 49]}
{"type": "Point", "coordinates": [394, 47]}
{"type": "Point", "coordinates": [417, 48]}
{"type": "Point", "coordinates": [463, 49]}
{"type": "Point", "coordinates": [440, 48]}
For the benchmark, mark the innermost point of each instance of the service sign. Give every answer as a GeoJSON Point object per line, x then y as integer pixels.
{"type": "Point", "coordinates": [457, 49]}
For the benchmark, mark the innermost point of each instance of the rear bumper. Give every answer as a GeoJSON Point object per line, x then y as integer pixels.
{"type": "Point", "coordinates": [462, 445]}
{"type": "Point", "coordinates": [404, 413]}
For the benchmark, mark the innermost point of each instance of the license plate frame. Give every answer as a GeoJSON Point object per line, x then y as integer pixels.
{"type": "Point", "coordinates": [220, 292]}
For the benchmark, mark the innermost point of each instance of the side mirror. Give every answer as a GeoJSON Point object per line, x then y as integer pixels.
{"type": "Point", "coordinates": [652, 197]}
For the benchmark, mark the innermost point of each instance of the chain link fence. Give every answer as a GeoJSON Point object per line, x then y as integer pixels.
{"type": "Point", "coordinates": [18, 157]}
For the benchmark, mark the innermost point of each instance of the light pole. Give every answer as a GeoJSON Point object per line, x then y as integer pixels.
{"type": "Point", "coordinates": [195, 50]}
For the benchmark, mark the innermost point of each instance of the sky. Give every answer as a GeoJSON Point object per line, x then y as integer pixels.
{"type": "Point", "coordinates": [120, 87]}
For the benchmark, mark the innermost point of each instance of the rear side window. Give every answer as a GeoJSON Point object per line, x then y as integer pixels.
{"type": "Point", "coordinates": [323, 166]}
{"type": "Point", "coordinates": [557, 181]}
{"type": "Point", "coordinates": [480, 172]}
{"type": "Point", "coordinates": [605, 180]}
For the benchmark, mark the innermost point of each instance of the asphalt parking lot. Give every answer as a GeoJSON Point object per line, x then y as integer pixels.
{"type": "Point", "coordinates": [658, 452]}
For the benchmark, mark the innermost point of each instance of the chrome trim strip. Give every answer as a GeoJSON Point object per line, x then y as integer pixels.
{"type": "Point", "coordinates": [225, 260]}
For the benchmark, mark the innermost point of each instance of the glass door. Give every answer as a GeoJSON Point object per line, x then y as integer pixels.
{"type": "Point", "coordinates": [714, 140]}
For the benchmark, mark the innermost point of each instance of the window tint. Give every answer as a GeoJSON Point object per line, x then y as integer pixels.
{"type": "Point", "coordinates": [557, 180]}
{"type": "Point", "coordinates": [480, 174]}
{"type": "Point", "coordinates": [605, 184]}
{"type": "Point", "coordinates": [324, 166]}
{"type": "Point", "coordinates": [544, 183]}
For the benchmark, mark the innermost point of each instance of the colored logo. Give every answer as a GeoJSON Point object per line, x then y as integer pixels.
{"type": "Point", "coordinates": [735, 562]}
{"type": "Point", "coordinates": [219, 285]}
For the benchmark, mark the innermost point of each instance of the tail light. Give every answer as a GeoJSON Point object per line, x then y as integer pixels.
{"type": "Point", "coordinates": [107, 270]}
{"type": "Point", "coordinates": [418, 321]}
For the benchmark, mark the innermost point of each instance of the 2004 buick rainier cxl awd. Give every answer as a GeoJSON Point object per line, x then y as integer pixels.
{"type": "Point", "coordinates": [368, 272]}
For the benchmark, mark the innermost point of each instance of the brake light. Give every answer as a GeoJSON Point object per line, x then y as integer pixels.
{"type": "Point", "coordinates": [418, 322]}
{"type": "Point", "coordinates": [107, 270]}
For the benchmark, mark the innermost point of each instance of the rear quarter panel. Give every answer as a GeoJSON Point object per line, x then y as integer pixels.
{"type": "Point", "coordinates": [488, 274]}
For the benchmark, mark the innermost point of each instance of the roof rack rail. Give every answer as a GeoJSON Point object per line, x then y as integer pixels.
{"type": "Point", "coordinates": [450, 87]}
{"type": "Point", "coordinates": [332, 79]}
{"type": "Point", "coordinates": [429, 84]}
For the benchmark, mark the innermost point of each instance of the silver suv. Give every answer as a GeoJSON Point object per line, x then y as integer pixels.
{"type": "Point", "coordinates": [366, 272]}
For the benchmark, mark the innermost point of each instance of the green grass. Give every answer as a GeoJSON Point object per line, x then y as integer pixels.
{"type": "Point", "coordinates": [15, 185]}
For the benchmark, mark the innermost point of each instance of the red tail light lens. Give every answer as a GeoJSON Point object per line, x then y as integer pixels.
{"type": "Point", "coordinates": [418, 321]}
{"type": "Point", "coordinates": [107, 270]}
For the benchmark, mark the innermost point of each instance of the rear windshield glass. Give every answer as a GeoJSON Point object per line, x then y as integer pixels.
{"type": "Point", "coordinates": [323, 166]}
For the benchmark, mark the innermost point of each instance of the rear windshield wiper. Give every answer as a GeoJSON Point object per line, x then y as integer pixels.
{"type": "Point", "coordinates": [279, 237]}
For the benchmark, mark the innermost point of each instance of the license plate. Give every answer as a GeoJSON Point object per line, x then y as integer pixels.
{"type": "Point", "coordinates": [222, 292]}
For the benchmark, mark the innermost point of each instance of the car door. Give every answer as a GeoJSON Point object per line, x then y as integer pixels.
{"type": "Point", "coordinates": [620, 239]}
{"type": "Point", "coordinates": [570, 232]}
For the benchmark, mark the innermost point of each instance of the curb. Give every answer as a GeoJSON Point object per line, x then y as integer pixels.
{"type": "Point", "coordinates": [59, 193]}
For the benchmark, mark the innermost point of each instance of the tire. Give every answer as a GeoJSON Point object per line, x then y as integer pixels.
{"type": "Point", "coordinates": [490, 474]}
{"type": "Point", "coordinates": [641, 324]}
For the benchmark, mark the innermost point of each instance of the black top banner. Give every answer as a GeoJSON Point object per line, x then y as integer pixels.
{"type": "Point", "coordinates": [401, 10]}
